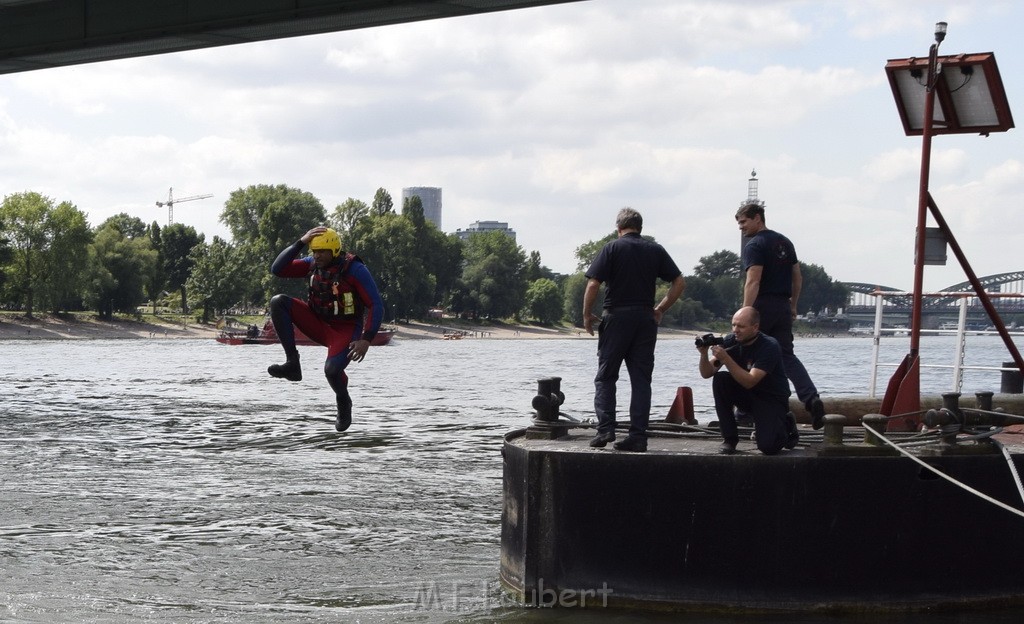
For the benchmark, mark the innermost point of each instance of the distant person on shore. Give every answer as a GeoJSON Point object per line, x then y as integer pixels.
{"type": "Point", "coordinates": [754, 381]}
{"type": "Point", "coordinates": [343, 311]}
{"type": "Point", "coordinates": [630, 267]}
{"type": "Point", "coordinates": [772, 286]}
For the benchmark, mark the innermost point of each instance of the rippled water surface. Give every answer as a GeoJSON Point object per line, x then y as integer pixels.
{"type": "Point", "coordinates": [174, 481]}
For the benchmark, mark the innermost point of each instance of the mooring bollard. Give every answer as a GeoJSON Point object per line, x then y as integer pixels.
{"type": "Point", "coordinates": [951, 401]}
{"type": "Point", "coordinates": [549, 398]}
{"type": "Point", "coordinates": [1012, 381]}
{"type": "Point", "coordinates": [834, 429]}
{"type": "Point", "coordinates": [877, 423]}
{"type": "Point", "coordinates": [983, 400]}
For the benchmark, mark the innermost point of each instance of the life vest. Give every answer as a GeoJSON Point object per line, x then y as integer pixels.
{"type": "Point", "coordinates": [331, 296]}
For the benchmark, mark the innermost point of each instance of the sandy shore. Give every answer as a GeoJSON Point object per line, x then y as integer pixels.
{"type": "Point", "coordinates": [48, 327]}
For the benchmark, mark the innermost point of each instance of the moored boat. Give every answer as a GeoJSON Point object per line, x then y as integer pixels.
{"type": "Point", "coordinates": [268, 335]}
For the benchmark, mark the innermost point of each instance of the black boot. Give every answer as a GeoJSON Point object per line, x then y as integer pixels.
{"type": "Point", "coordinates": [794, 435]}
{"type": "Point", "coordinates": [290, 370]}
{"type": "Point", "coordinates": [632, 444]}
{"type": "Point", "coordinates": [344, 412]}
{"type": "Point", "coordinates": [817, 410]}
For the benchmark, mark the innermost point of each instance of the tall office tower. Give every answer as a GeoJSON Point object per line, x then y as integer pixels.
{"type": "Point", "coordinates": [430, 197]}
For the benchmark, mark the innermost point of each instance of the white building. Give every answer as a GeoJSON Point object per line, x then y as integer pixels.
{"type": "Point", "coordinates": [485, 226]}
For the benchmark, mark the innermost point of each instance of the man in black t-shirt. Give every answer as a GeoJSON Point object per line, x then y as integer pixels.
{"type": "Point", "coordinates": [630, 267]}
{"type": "Point", "coordinates": [772, 286]}
{"type": "Point", "coordinates": [753, 380]}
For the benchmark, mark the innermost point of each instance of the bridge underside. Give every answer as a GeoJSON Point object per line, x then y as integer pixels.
{"type": "Point", "coordinates": [38, 34]}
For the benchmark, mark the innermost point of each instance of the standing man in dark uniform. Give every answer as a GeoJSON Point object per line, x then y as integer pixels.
{"type": "Point", "coordinates": [343, 311]}
{"type": "Point", "coordinates": [630, 267]}
{"type": "Point", "coordinates": [772, 286]}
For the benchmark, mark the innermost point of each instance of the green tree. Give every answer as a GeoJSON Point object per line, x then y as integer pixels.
{"type": "Point", "coordinates": [177, 242]}
{"type": "Point", "coordinates": [703, 291]}
{"type": "Point", "coordinates": [155, 286]}
{"type": "Point", "coordinates": [128, 225]}
{"type": "Point", "coordinates": [120, 266]}
{"type": "Point", "coordinates": [819, 291]}
{"type": "Point", "coordinates": [220, 276]}
{"type": "Point", "coordinates": [572, 298]}
{"type": "Point", "coordinates": [535, 270]}
{"type": "Point", "coordinates": [730, 293]}
{"type": "Point", "coordinates": [586, 252]}
{"type": "Point", "coordinates": [347, 214]}
{"type": "Point", "coordinates": [23, 216]}
{"type": "Point", "coordinates": [35, 230]}
{"type": "Point", "coordinates": [722, 263]}
{"type": "Point", "coordinates": [412, 209]}
{"type": "Point", "coordinates": [716, 283]}
{"type": "Point", "coordinates": [382, 203]}
{"type": "Point", "coordinates": [445, 262]}
{"type": "Point", "coordinates": [686, 313]}
{"type": "Point", "coordinates": [387, 244]}
{"type": "Point", "coordinates": [267, 219]}
{"type": "Point", "coordinates": [254, 277]}
{"type": "Point", "coordinates": [492, 281]}
{"type": "Point", "coordinates": [544, 301]}
{"type": "Point", "coordinates": [439, 253]}
{"type": "Point", "coordinates": [6, 255]}
{"type": "Point", "coordinates": [64, 269]}
{"type": "Point", "coordinates": [272, 215]}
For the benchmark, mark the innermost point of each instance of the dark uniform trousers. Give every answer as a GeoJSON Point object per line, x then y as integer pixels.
{"type": "Point", "coordinates": [626, 334]}
{"type": "Point", "coordinates": [768, 412]}
{"type": "Point", "coordinates": [777, 322]}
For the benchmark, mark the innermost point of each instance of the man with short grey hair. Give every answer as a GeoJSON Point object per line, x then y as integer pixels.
{"type": "Point", "coordinates": [629, 267]}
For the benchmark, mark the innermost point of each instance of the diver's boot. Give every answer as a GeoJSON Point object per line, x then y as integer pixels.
{"type": "Point", "coordinates": [344, 412]}
{"type": "Point", "coordinates": [290, 370]}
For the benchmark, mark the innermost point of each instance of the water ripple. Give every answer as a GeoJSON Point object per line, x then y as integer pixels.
{"type": "Point", "coordinates": [186, 485]}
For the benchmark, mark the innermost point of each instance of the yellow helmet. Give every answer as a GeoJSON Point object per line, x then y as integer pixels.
{"type": "Point", "coordinates": [326, 240]}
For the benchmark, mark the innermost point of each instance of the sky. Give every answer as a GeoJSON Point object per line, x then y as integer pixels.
{"type": "Point", "coordinates": [553, 118]}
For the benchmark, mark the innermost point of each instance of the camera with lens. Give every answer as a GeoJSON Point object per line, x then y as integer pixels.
{"type": "Point", "coordinates": [709, 340]}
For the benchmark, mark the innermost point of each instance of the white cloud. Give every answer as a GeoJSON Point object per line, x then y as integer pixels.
{"type": "Point", "coordinates": [550, 119]}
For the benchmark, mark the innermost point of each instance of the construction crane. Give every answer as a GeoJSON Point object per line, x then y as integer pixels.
{"type": "Point", "coordinates": [171, 201]}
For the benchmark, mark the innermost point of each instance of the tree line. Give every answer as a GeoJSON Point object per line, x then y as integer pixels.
{"type": "Point", "coordinates": [52, 260]}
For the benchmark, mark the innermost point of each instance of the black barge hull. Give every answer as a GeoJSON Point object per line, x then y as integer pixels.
{"type": "Point", "coordinates": [855, 528]}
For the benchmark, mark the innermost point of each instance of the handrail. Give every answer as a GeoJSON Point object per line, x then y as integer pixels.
{"type": "Point", "coordinates": [958, 365]}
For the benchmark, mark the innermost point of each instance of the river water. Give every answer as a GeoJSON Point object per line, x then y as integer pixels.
{"type": "Point", "coordinates": [174, 481]}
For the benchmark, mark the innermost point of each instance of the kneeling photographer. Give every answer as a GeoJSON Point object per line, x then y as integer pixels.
{"type": "Point", "coordinates": [753, 380]}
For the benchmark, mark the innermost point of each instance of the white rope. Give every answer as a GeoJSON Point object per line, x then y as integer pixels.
{"type": "Point", "coordinates": [1013, 469]}
{"type": "Point", "coordinates": [949, 478]}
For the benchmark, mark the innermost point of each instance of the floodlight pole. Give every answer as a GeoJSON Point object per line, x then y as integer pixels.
{"type": "Point", "coordinates": [923, 196]}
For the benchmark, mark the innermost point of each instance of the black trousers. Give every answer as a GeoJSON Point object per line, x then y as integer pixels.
{"type": "Point", "coordinates": [768, 412]}
{"type": "Point", "coordinates": [625, 335]}
{"type": "Point", "coordinates": [777, 322]}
